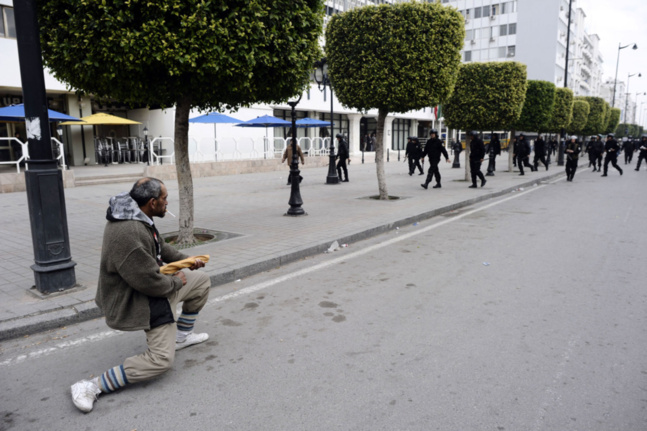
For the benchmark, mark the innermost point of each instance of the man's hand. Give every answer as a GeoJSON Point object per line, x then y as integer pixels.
{"type": "Point", "coordinates": [447, 160]}
{"type": "Point", "coordinates": [199, 263]}
{"type": "Point", "coordinates": [181, 276]}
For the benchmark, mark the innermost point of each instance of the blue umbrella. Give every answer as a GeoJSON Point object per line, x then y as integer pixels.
{"type": "Point", "coordinates": [215, 118]}
{"type": "Point", "coordinates": [311, 122]}
{"type": "Point", "coordinates": [265, 121]}
{"type": "Point", "coordinates": [17, 113]}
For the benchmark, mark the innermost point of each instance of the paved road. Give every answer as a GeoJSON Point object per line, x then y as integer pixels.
{"type": "Point", "coordinates": [524, 313]}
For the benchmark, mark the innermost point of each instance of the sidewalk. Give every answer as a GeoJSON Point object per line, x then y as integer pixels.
{"type": "Point", "coordinates": [251, 205]}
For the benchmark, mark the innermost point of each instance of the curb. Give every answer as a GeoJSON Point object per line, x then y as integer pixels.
{"type": "Point", "coordinates": [83, 311]}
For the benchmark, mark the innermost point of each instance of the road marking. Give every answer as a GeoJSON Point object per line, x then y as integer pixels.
{"type": "Point", "coordinates": [264, 285]}
{"type": "Point", "coordinates": [43, 352]}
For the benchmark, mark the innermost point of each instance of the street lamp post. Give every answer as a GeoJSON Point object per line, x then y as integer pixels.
{"type": "Point", "coordinates": [53, 267]}
{"type": "Point", "coordinates": [615, 81]}
{"type": "Point", "coordinates": [627, 94]}
{"type": "Point", "coordinates": [322, 78]}
{"type": "Point", "coordinates": [148, 150]}
{"type": "Point", "coordinates": [295, 191]}
{"type": "Point", "coordinates": [562, 141]}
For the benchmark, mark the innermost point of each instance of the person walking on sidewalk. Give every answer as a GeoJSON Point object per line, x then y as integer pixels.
{"type": "Point", "coordinates": [642, 154]}
{"type": "Point", "coordinates": [522, 154]}
{"type": "Point", "coordinates": [342, 155]}
{"type": "Point", "coordinates": [477, 154]}
{"type": "Point", "coordinates": [494, 149]}
{"type": "Point", "coordinates": [134, 295]}
{"type": "Point", "coordinates": [611, 148]}
{"type": "Point", "coordinates": [592, 148]}
{"type": "Point", "coordinates": [287, 155]}
{"type": "Point", "coordinates": [433, 149]}
{"type": "Point", "coordinates": [572, 151]}
{"type": "Point", "coordinates": [412, 154]}
{"type": "Point", "coordinates": [628, 149]}
{"type": "Point", "coordinates": [540, 153]}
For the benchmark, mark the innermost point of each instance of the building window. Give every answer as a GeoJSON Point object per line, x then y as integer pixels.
{"type": "Point", "coordinates": [502, 51]}
{"type": "Point", "coordinates": [496, 10]}
{"type": "Point", "coordinates": [486, 10]}
{"type": "Point", "coordinates": [400, 132]}
{"type": "Point", "coordinates": [503, 30]}
{"type": "Point", "coordinates": [477, 12]}
{"type": "Point", "coordinates": [467, 55]}
{"type": "Point", "coordinates": [469, 34]}
{"type": "Point", "coordinates": [511, 51]}
{"type": "Point", "coordinates": [7, 22]}
{"type": "Point", "coordinates": [512, 28]}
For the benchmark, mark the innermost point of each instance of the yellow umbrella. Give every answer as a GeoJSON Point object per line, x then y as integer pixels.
{"type": "Point", "coordinates": [99, 119]}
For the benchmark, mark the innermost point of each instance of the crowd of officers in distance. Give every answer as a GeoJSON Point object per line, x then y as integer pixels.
{"type": "Point", "coordinates": [595, 147]}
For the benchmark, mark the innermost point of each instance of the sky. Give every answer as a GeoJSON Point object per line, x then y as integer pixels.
{"type": "Point", "coordinates": [621, 22]}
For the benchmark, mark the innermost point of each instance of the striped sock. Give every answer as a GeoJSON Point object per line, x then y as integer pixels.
{"type": "Point", "coordinates": [113, 379]}
{"type": "Point", "coordinates": [186, 321]}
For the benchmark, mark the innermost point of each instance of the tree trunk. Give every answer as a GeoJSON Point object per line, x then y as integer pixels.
{"type": "Point", "coordinates": [468, 172]}
{"type": "Point", "coordinates": [511, 149]}
{"type": "Point", "coordinates": [379, 155]}
{"type": "Point", "coordinates": [183, 167]}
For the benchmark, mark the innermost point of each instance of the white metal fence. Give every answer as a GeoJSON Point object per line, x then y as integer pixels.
{"type": "Point", "coordinates": [57, 149]}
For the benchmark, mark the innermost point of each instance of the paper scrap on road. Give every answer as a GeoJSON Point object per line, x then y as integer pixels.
{"type": "Point", "coordinates": [334, 246]}
{"type": "Point", "coordinates": [486, 263]}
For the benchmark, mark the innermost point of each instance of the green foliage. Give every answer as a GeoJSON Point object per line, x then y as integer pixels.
{"type": "Point", "coordinates": [218, 54]}
{"type": "Point", "coordinates": [394, 58]}
{"type": "Point", "coordinates": [613, 119]}
{"type": "Point", "coordinates": [562, 110]}
{"type": "Point", "coordinates": [487, 96]}
{"type": "Point", "coordinates": [581, 111]}
{"type": "Point", "coordinates": [596, 122]}
{"type": "Point", "coordinates": [538, 107]}
{"type": "Point", "coordinates": [625, 129]}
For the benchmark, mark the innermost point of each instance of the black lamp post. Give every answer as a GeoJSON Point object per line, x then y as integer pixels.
{"type": "Point", "coordinates": [615, 81]}
{"type": "Point", "coordinates": [322, 78]}
{"type": "Point", "coordinates": [562, 140]}
{"type": "Point", "coordinates": [148, 150]}
{"type": "Point", "coordinates": [295, 192]}
{"type": "Point", "coordinates": [627, 95]}
{"type": "Point", "coordinates": [53, 267]}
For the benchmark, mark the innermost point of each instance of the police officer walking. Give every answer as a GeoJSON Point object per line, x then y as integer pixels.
{"type": "Point", "coordinates": [540, 152]}
{"type": "Point", "coordinates": [611, 148]}
{"type": "Point", "coordinates": [642, 148]}
{"type": "Point", "coordinates": [342, 155]}
{"type": "Point", "coordinates": [494, 149]}
{"type": "Point", "coordinates": [572, 151]}
{"type": "Point", "coordinates": [412, 154]}
{"type": "Point", "coordinates": [628, 149]}
{"type": "Point", "coordinates": [433, 149]}
{"type": "Point", "coordinates": [477, 154]}
{"type": "Point", "coordinates": [522, 154]}
{"type": "Point", "coordinates": [591, 149]}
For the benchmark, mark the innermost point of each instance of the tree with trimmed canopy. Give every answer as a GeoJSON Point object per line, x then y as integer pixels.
{"type": "Point", "coordinates": [487, 96]}
{"type": "Point", "coordinates": [596, 122]}
{"type": "Point", "coordinates": [187, 53]}
{"type": "Point", "coordinates": [581, 109]}
{"type": "Point", "coordinates": [562, 110]}
{"type": "Point", "coordinates": [613, 119]}
{"type": "Point", "coordinates": [538, 107]}
{"type": "Point", "coordinates": [407, 62]}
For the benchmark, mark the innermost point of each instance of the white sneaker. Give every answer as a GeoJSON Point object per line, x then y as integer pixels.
{"type": "Point", "coordinates": [191, 339]}
{"type": "Point", "coordinates": [84, 393]}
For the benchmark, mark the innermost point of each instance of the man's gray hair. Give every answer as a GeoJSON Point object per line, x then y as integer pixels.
{"type": "Point", "coordinates": [146, 189]}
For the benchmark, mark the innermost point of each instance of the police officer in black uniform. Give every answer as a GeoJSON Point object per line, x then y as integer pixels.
{"type": "Point", "coordinates": [522, 154]}
{"type": "Point", "coordinates": [433, 149]}
{"type": "Point", "coordinates": [540, 152]}
{"type": "Point", "coordinates": [413, 153]}
{"type": "Point", "coordinates": [494, 149]}
{"type": "Point", "coordinates": [611, 148]}
{"type": "Point", "coordinates": [477, 154]}
{"type": "Point", "coordinates": [591, 150]}
{"type": "Point", "coordinates": [572, 151]}
{"type": "Point", "coordinates": [642, 151]}
{"type": "Point", "coordinates": [628, 149]}
{"type": "Point", "coordinates": [342, 155]}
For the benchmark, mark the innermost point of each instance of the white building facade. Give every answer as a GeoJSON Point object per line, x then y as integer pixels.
{"type": "Point", "coordinates": [533, 32]}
